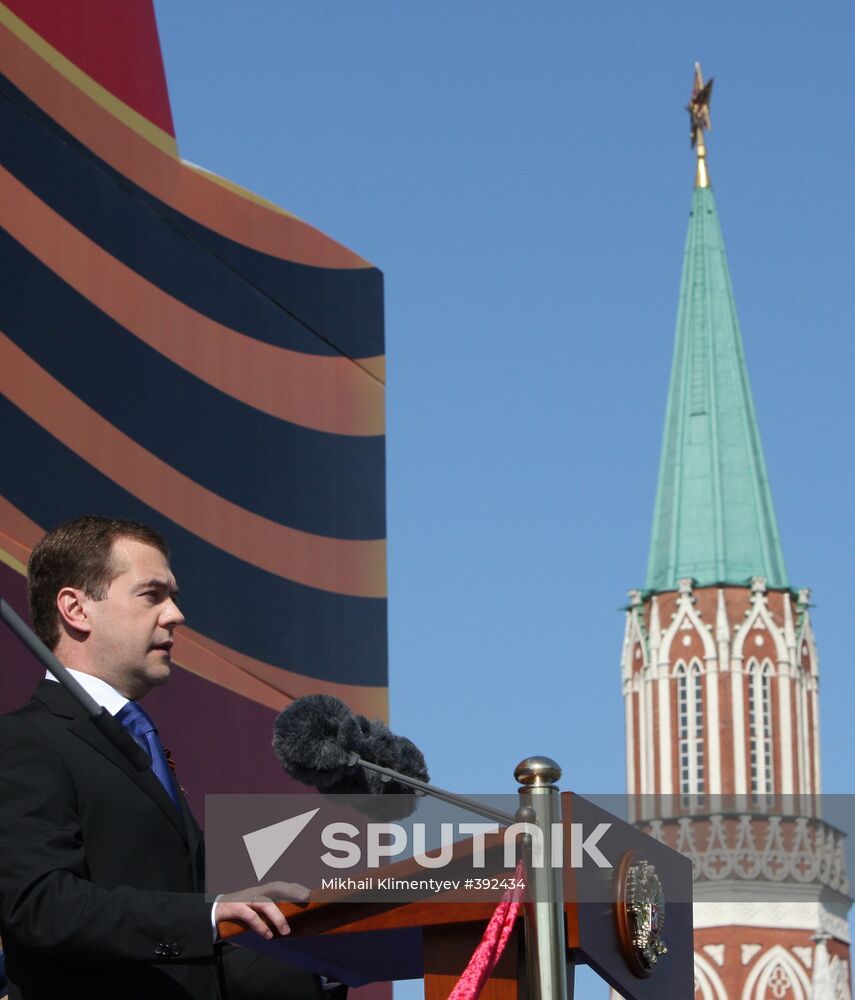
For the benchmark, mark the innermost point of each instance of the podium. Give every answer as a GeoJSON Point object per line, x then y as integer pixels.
{"type": "Point", "coordinates": [611, 916]}
{"type": "Point", "coordinates": [362, 942]}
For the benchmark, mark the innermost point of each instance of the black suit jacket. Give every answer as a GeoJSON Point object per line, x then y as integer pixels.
{"type": "Point", "coordinates": [101, 890]}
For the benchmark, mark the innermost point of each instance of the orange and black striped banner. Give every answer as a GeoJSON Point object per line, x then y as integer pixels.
{"type": "Point", "coordinates": [177, 350]}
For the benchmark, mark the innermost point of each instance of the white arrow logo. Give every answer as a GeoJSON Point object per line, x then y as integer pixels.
{"type": "Point", "coordinates": [267, 845]}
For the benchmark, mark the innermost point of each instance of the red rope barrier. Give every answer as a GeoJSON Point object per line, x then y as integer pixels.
{"type": "Point", "coordinates": [489, 951]}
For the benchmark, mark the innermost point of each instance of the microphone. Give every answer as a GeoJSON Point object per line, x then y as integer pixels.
{"type": "Point", "coordinates": [319, 741]}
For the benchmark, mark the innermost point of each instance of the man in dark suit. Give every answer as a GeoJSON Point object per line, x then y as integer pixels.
{"type": "Point", "coordinates": [101, 864]}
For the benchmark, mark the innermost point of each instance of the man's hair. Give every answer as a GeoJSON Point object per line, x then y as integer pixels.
{"type": "Point", "coordinates": [78, 554]}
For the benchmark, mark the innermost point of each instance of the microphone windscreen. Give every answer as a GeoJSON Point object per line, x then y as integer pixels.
{"type": "Point", "coordinates": [316, 739]}
{"type": "Point", "coordinates": [397, 753]}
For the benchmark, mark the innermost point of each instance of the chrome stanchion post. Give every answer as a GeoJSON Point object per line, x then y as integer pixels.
{"type": "Point", "coordinates": [545, 939]}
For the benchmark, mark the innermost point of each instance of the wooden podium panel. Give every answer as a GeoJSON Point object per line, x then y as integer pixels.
{"type": "Point", "coordinates": [447, 952]}
{"type": "Point", "coordinates": [361, 942]}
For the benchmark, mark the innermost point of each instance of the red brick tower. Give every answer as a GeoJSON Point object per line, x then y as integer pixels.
{"type": "Point", "coordinates": [720, 671]}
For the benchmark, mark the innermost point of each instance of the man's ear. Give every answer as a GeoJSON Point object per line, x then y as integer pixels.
{"type": "Point", "coordinates": [72, 611]}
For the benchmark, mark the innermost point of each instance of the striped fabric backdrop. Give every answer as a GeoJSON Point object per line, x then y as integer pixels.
{"type": "Point", "coordinates": [177, 350]}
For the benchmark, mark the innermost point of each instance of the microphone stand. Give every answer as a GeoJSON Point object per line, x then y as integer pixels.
{"type": "Point", "coordinates": [463, 801]}
{"type": "Point", "coordinates": [114, 731]}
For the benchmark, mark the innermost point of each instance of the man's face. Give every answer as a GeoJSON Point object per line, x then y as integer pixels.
{"type": "Point", "coordinates": [130, 638]}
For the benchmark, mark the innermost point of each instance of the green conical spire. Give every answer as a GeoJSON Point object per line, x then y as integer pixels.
{"type": "Point", "coordinates": [714, 520]}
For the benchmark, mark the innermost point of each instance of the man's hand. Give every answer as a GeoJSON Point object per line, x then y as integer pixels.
{"type": "Point", "coordinates": [256, 908]}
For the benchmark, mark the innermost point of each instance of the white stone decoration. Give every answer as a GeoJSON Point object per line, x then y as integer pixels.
{"type": "Point", "coordinates": [777, 915]}
{"type": "Point", "coordinates": [800, 850]}
{"type": "Point", "coordinates": [779, 983]}
{"type": "Point", "coordinates": [759, 617]}
{"type": "Point", "coordinates": [715, 952]}
{"type": "Point", "coordinates": [717, 859]}
{"type": "Point", "coordinates": [839, 969]}
{"type": "Point", "coordinates": [822, 984]}
{"type": "Point", "coordinates": [805, 953]}
{"type": "Point", "coordinates": [776, 975]}
{"type": "Point", "coordinates": [707, 981]}
{"type": "Point", "coordinates": [748, 952]}
{"type": "Point", "coordinates": [686, 617]}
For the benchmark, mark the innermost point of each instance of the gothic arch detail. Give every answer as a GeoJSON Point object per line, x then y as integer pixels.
{"type": "Point", "coordinates": [759, 615]}
{"type": "Point", "coordinates": [686, 612]}
{"type": "Point", "coordinates": [690, 727]}
{"type": "Point", "coordinates": [777, 975]}
{"type": "Point", "coordinates": [760, 736]}
{"type": "Point", "coordinates": [805, 641]}
{"type": "Point", "coordinates": [708, 984]}
{"type": "Point", "coordinates": [635, 637]}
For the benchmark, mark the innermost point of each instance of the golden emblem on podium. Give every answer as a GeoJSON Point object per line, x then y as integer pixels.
{"type": "Point", "coordinates": [640, 912]}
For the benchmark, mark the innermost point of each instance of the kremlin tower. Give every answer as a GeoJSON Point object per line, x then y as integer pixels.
{"type": "Point", "coordinates": [720, 670]}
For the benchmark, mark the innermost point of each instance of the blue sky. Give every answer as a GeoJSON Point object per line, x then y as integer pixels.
{"type": "Point", "coordinates": [521, 173]}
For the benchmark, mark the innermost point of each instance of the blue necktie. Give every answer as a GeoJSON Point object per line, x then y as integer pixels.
{"type": "Point", "coordinates": [144, 731]}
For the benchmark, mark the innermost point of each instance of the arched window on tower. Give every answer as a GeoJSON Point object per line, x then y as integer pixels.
{"type": "Point", "coordinates": [760, 727]}
{"type": "Point", "coordinates": [690, 731]}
